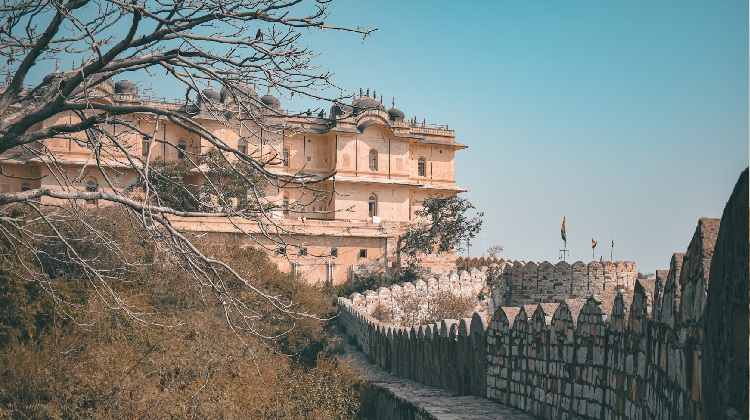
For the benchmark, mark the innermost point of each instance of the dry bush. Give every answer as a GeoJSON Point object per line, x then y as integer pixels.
{"type": "Point", "coordinates": [411, 309]}
{"type": "Point", "coordinates": [382, 313]}
{"type": "Point", "coordinates": [446, 305]}
{"type": "Point", "coordinates": [414, 311]}
{"type": "Point", "coordinates": [79, 358]}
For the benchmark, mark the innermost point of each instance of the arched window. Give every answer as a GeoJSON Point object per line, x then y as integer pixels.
{"type": "Point", "coordinates": [372, 205]}
{"type": "Point", "coordinates": [181, 147]}
{"type": "Point", "coordinates": [25, 186]}
{"type": "Point", "coordinates": [242, 147]}
{"type": "Point", "coordinates": [285, 156]}
{"type": "Point", "coordinates": [421, 167]}
{"type": "Point", "coordinates": [373, 160]}
{"type": "Point", "coordinates": [91, 187]}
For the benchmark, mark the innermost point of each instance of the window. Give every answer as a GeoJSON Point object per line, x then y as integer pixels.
{"type": "Point", "coordinates": [91, 187]}
{"type": "Point", "coordinates": [362, 253]}
{"type": "Point", "coordinates": [242, 147]}
{"type": "Point", "coordinates": [285, 204]}
{"type": "Point", "coordinates": [281, 251]}
{"type": "Point", "coordinates": [421, 167]}
{"type": "Point", "coordinates": [372, 205]}
{"type": "Point", "coordinates": [302, 251]}
{"type": "Point", "coordinates": [181, 147]}
{"type": "Point", "coordinates": [334, 252]}
{"type": "Point", "coordinates": [144, 146]}
{"type": "Point", "coordinates": [285, 156]}
{"type": "Point", "coordinates": [25, 186]}
{"type": "Point", "coordinates": [373, 160]}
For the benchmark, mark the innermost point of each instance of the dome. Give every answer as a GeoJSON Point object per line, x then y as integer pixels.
{"type": "Point", "coordinates": [270, 101]}
{"type": "Point", "coordinates": [126, 87]}
{"type": "Point", "coordinates": [365, 103]}
{"type": "Point", "coordinates": [210, 95]}
{"type": "Point", "coordinates": [340, 109]}
{"type": "Point", "coordinates": [395, 114]}
{"type": "Point", "coordinates": [244, 92]}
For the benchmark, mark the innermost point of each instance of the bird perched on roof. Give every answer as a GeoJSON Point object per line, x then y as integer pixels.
{"type": "Point", "coordinates": [259, 35]}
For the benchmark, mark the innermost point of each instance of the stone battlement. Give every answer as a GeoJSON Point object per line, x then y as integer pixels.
{"type": "Point", "coordinates": [391, 299]}
{"type": "Point", "coordinates": [511, 283]}
{"type": "Point", "coordinates": [663, 350]}
{"type": "Point", "coordinates": [520, 283]}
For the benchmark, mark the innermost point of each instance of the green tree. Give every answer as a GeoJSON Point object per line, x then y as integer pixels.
{"type": "Point", "coordinates": [442, 225]}
{"type": "Point", "coordinates": [231, 185]}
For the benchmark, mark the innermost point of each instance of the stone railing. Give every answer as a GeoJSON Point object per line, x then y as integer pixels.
{"type": "Point", "coordinates": [643, 354]}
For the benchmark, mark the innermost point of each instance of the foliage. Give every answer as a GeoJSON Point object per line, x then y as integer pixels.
{"type": "Point", "coordinates": [420, 310]}
{"type": "Point", "coordinates": [442, 226]}
{"type": "Point", "coordinates": [382, 313]}
{"type": "Point", "coordinates": [367, 280]}
{"type": "Point", "coordinates": [168, 185]}
{"type": "Point", "coordinates": [446, 305]}
{"type": "Point", "coordinates": [228, 184]}
{"type": "Point", "coordinates": [646, 275]}
{"type": "Point", "coordinates": [86, 359]}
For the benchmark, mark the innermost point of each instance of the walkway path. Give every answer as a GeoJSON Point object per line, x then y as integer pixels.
{"type": "Point", "coordinates": [423, 401]}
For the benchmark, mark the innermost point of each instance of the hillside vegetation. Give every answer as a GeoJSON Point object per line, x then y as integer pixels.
{"type": "Point", "coordinates": [68, 352]}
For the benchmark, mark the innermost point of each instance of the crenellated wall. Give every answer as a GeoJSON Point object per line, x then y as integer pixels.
{"type": "Point", "coordinates": [518, 283]}
{"type": "Point", "coordinates": [636, 353]}
{"type": "Point", "coordinates": [400, 300]}
{"type": "Point", "coordinates": [513, 283]}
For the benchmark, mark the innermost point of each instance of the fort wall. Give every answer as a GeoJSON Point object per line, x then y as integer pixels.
{"type": "Point", "coordinates": [639, 354]}
{"type": "Point", "coordinates": [516, 282]}
{"type": "Point", "coordinates": [509, 283]}
{"type": "Point", "coordinates": [398, 300]}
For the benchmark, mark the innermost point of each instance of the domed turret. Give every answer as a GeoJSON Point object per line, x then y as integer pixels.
{"type": "Point", "coordinates": [210, 95]}
{"type": "Point", "coordinates": [365, 103]}
{"type": "Point", "coordinates": [395, 114]}
{"type": "Point", "coordinates": [243, 92]}
{"type": "Point", "coordinates": [270, 100]}
{"type": "Point", "coordinates": [340, 109]}
{"type": "Point", "coordinates": [126, 87]}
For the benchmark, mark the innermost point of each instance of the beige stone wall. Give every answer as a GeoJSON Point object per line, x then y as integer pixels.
{"type": "Point", "coordinates": [318, 146]}
{"type": "Point", "coordinates": [635, 355]}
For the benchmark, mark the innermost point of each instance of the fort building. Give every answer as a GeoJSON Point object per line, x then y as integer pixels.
{"type": "Point", "coordinates": [378, 164]}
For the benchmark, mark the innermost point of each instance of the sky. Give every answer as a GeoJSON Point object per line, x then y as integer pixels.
{"type": "Point", "coordinates": [628, 118]}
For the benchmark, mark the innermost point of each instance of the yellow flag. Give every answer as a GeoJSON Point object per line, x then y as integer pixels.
{"type": "Point", "coordinates": [593, 243]}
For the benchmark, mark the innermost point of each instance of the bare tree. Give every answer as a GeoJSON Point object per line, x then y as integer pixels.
{"type": "Point", "coordinates": [231, 45]}
{"type": "Point", "coordinates": [494, 250]}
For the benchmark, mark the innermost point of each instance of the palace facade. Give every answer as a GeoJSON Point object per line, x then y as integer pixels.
{"type": "Point", "coordinates": [380, 164]}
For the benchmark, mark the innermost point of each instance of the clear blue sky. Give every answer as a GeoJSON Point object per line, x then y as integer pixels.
{"type": "Point", "coordinates": [630, 118]}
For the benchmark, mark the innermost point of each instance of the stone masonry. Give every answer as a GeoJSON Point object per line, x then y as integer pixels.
{"type": "Point", "coordinates": [669, 348]}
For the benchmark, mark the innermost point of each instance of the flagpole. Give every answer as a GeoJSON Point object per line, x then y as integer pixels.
{"type": "Point", "coordinates": [565, 241]}
{"type": "Point", "coordinates": [611, 251]}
